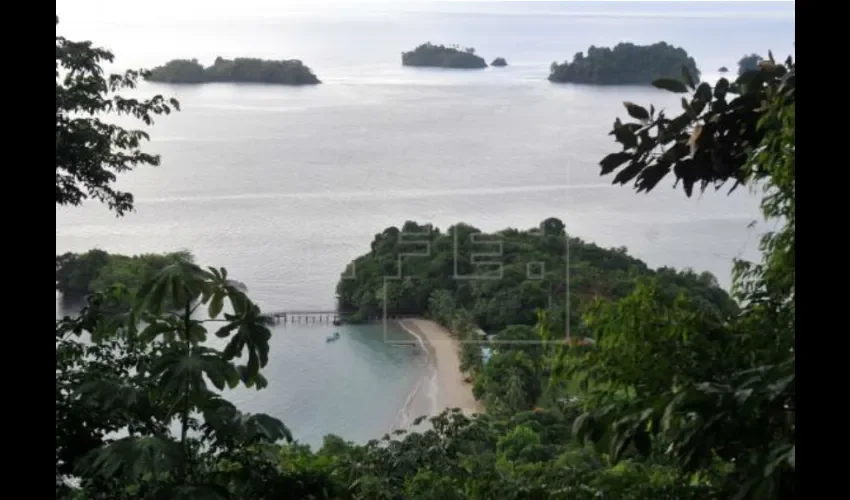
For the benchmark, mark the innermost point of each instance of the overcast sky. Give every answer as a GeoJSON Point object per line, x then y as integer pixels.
{"type": "Point", "coordinates": [163, 9]}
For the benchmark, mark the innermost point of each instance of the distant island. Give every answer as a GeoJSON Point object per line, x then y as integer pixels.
{"type": "Point", "coordinates": [239, 70]}
{"type": "Point", "coordinates": [499, 62]}
{"type": "Point", "coordinates": [723, 69]}
{"type": "Point", "coordinates": [625, 64]}
{"type": "Point", "coordinates": [440, 56]}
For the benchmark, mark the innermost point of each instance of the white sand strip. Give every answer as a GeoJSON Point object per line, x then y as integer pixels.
{"type": "Point", "coordinates": [452, 390]}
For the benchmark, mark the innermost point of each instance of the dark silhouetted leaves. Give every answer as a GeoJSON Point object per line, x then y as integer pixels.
{"type": "Point", "coordinates": [134, 458]}
{"type": "Point", "coordinates": [613, 161]}
{"type": "Point", "coordinates": [670, 84]}
{"type": "Point", "coordinates": [636, 111]}
{"type": "Point", "coordinates": [721, 88]}
{"type": "Point", "coordinates": [90, 151]}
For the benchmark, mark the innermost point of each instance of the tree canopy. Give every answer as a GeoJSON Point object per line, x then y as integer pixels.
{"type": "Point", "coordinates": [625, 64]}
{"type": "Point", "coordinates": [441, 56]}
{"type": "Point", "coordinates": [91, 151]}
{"type": "Point", "coordinates": [79, 275]}
{"type": "Point", "coordinates": [501, 278]}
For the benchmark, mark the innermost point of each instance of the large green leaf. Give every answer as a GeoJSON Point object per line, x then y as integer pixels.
{"type": "Point", "coordinates": [216, 304]}
{"type": "Point", "coordinates": [178, 370]}
{"type": "Point", "coordinates": [169, 327]}
{"type": "Point", "coordinates": [174, 286]}
{"type": "Point", "coordinates": [251, 334]}
{"type": "Point", "coordinates": [227, 424]}
{"type": "Point", "coordinates": [133, 458]}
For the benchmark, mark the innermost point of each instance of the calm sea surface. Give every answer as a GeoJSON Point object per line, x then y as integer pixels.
{"type": "Point", "coordinates": [284, 186]}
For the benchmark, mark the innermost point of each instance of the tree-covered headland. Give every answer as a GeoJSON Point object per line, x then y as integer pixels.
{"type": "Point", "coordinates": [502, 278]}
{"type": "Point", "coordinates": [442, 56]}
{"type": "Point", "coordinates": [239, 70]}
{"type": "Point", "coordinates": [678, 397]}
{"type": "Point", "coordinates": [625, 64]}
{"type": "Point", "coordinates": [79, 275]}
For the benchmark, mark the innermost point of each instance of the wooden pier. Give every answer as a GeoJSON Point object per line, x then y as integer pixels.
{"type": "Point", "coordinates": [326, 316]}
{"type": "Point", "coordinates": [315, 316]}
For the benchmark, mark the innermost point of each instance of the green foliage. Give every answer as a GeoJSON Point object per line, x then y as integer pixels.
{"type": "Point", "coordinates": [516, 273]}
{"type": "Point", "coordinates": [733, 396]}
{"type": "Point", "coordinates": [651, 342]}
{"type": "Point", "coordinates": [153, 366]}
{"type": "Point", "coordinates": [78, 275]}
{"type": "Point", "coordinates": [242, 70]}
{"type": "Point", "coordinates": [749, 63]}
{"type": "Point", "coordinates": [626, 64]}
{"type": "Point", "coordinates": [709, 143]}
{"type": "Point", "coordinates": [442, 56]}
{"type": "Point", "coordinates": [90, 151]}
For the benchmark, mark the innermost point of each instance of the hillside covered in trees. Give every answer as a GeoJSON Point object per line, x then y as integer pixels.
{"type": "Point", "coordinates": [625, 64]}
{"type": "Point", "coordinates": [676, 399]}
{"type": "Point", "coordinates": [441, 56]}
{"type": "Point", "coordinates": [502, 278]}
{"type": "Point", "coordinates": [239, 70]}
{"type": "Point", "coordinates": [78, 275]}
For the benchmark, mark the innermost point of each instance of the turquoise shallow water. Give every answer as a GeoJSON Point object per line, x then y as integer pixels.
{"type": "Point", "coordinates": [355, 386]}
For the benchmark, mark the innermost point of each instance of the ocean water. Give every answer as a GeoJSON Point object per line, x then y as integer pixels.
{"type": "Point", "coordinates": [284, 186]}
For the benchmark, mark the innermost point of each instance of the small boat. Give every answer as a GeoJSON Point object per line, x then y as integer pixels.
{"type": "Point", "coordinates": [333, 337]}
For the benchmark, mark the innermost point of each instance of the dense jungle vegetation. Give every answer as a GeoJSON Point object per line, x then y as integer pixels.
{"type": "Point", "coordinates": [502, 278]}
{"type": "Point", "coordinates": [79, 275]}
{"type": "Point", "coordinates": [625, 64]}
{"type": "Point", "coordinates": [674, 400]}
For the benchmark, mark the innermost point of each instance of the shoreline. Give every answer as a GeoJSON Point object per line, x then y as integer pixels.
{"type": "Point", "coordinates": [445, 383]}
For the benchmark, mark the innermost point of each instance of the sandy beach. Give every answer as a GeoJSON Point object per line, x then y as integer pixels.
{"type": "Point", "coordinates": [451, 390]}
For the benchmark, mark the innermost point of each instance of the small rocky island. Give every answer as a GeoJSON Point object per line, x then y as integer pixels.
{"type": "Point", "coordinates": [625, 64]}
{"type": "Point", "coordinates": [441, 56]}
{"type": "Point", "coordinates": [239, 70]}
{"type": "Point", "coordinates": [499, 62]}
{"type": "Point", "coordinates": [723, 69]}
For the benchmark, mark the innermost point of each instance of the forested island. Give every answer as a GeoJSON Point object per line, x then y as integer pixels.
{"type": "Point", "coordinates": [441, 56]}
{"type": "Point", "coordinates": [625, 64]}
{"type": "Point", "coordinates": [499, 62]}
{"type": "Point", "coordinates": [96, 271]}
{"type": "Point", "coordinates": [239, 70]}
{"type": "Point", "coordinates": [506, 289]}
